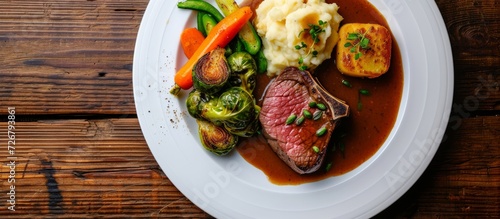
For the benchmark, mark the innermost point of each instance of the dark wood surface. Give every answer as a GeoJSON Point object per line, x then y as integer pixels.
{"type": "Point", "coordinates": [66, 67]}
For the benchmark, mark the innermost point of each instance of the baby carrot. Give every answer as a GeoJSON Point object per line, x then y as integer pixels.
{"type": "Point", "coordinates": [219, 36]}
{"type": "Point", "coordinates": [191, 39]}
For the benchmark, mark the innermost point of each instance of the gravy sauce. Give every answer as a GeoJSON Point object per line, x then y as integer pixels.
{"type": "Point", "coordinates": [357, 137]}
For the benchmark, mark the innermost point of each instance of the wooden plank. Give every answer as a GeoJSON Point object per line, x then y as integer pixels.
{"type": "Point", "coordinates": [68, 57]}
{"type": "Point", "coordinates": [463, 180]}
{"type": "Point", "coordinates": [88, 168]}
{"type": "Point", "coordinates": [75, 56]}
{"type": "Point", "coordinates": [474, 30]}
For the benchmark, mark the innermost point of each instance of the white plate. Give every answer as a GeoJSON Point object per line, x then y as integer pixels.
{"type": "Point", "coordinates": [229, 187]}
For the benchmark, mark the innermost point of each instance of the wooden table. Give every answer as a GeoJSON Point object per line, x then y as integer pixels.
{"type": "Point", "coordinates": [66, 68]}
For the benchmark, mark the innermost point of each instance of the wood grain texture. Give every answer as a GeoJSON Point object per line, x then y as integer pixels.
{"type": "Point", "coordinates": [463, 179]}
{"type": "Point", "coordinates": [89, 168]}
{"type": "Point", "coordinates": [65, 63]}
{"type": "Point", "coordinates": [474, 30]}
{"type": "Point", "coordinates": [68, 57]}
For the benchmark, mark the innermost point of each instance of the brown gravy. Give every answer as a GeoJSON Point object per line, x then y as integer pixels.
{"type": "Point", "coordinates": [361, 134]}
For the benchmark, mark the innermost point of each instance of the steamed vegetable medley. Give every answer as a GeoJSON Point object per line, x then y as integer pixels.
{"type": "Point", "coordinates": [222, 69]}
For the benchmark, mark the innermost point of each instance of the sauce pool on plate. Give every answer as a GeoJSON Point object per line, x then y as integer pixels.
{"type": "Point", "coordinates": [359, 136]}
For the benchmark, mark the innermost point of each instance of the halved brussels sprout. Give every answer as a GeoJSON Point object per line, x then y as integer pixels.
{"type": "Point", "coordinates": [211, 72]}
{"type": "Point", "coordinates": [235, 108]}
{"type": "Point", "coordinates": [194, 103]}
{"type": "Point", "coordinates": [244, 70]}
{"type": "Point", "coordinates": [216, 139]}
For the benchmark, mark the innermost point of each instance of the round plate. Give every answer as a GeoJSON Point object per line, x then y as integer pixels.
{"type": "Point", "coordinates": [229, 187]}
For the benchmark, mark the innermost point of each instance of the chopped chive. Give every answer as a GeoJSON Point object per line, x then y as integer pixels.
{"type": "Point", "coordinates": [364, 92]}
{"type": "Point", "coordinates": [328, 166]}
{"type": "Point", "coordinates": [315, 149]}
{"type": "Point", "coordinates": [317, 114]}
{"type": "Point", "coordinates": [346, 83]}
{"type": "Point", "coordinates": [312, 104]}
{"type": "Point", "coordinates": [321, 131]}
{"type": "Point", "coordinates": [357, 56]}
{"type": "Point", "coordinates": [321, 106]}
{"type": "Point", "coordinates": [360, 106]}
{"type": "Point", "coordinates": [291, 119]}
{"type": "Point", "coordinates": [353, 36]}
{"type": "Point", "coordinates": [364, 43]}
{"type": "Point", "coordinates": [300, 120]}
{"type": "Point", "coordinates": [307, 114]}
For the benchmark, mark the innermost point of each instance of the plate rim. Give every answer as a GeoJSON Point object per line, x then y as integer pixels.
{"type": "Point", "coordinates": [143, 111]}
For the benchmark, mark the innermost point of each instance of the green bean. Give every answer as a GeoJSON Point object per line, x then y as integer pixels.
{"type": "Point", "coordinates": [201, 6]}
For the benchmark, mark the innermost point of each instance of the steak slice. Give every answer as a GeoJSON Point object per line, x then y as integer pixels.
{"type": "Point", "coordinates": [298, 145]}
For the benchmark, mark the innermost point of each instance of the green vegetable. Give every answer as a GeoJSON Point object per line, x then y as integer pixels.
{"type": "Point", "coordinates": [201, 6]}
{"type": "Point", "coordinates": [290, 119]}
{"type": "Point", "coordinates": [199, 22]}
{"type": "Point", "coordinates": [211, 72]}
{"type": "Point", "coordinates": [235, 108]}
{"type": "Point", "coordinates": [346, 83]}
{"type": "Point", "coordinates": [216, 139]}
{"type": "Point", "coordinates": [364, 92]}
{"type": "Point", "coordinates": [248, 36]}
{"type": "Point", "coordinates": [261, 61]}
{"type": "Point", "coordinates": [312, 104]}
{"type": "Point", "coordinates": [208, 22]}
{"type": "Point", "coordinates": [321, 106]}
{"type": "Point", "coordinates": [300, 120]}
{"type": "Point", "coordinates": [317, 114]}
{"type": "Point", "coordinates": [315, 149]}
{"type": "Point", "coordinates": [243, 70]}
{"type": "Point", "coordinates": [359, 41]}
{"type": "Point", "coordinates": [194, 102]}
{"type": "Point", "coordinates": [307, 114]}
{"type": "Point", "coordinates": [320, 132]}
{"type": "Point", "coordinates": [328, 166]}
{"type": "Point", "coordinates": [314, 31]}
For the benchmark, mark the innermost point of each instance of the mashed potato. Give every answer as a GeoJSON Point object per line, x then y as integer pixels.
{"type": "Point", "coordinates": [284, 26]}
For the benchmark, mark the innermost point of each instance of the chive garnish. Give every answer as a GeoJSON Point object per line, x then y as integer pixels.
{"type": "Point", "coordinates": [321, 106]}
{"type": "Point", "coordinates": [346, 83]}
{"type": "Point", "coordinates": [307, 114]}
{"type": "Point", "coordinates": [300, 120]}
{"type": "Point", "coordinates": [328, 166]}
{"type": "Point", "coordinates": [360, 41]}
{"type": "Point", "coordinates": [321, 131]}
{"type": "Point", "coordinates": [315, 149]}
{"type": "Point", "coordinates": [291, 119]}
{"type": "Point", "coordinates": [364, 92]}
{"type": "Point", "coordinates": [317, 114]}
{"type": "Point", "coordinates": [312, 104]}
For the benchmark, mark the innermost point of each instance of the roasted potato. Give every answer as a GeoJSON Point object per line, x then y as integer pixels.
{"type": "Point", "coordinates": [364, 50]}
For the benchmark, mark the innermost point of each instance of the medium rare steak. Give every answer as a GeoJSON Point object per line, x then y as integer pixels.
{"type": "Point", "coordinates": [295, 93]}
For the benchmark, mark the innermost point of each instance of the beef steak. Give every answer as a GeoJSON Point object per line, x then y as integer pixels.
{"type": "Point", "coordinates": [298, 144]}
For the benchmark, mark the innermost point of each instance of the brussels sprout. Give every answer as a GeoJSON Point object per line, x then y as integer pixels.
{"type": "Point", "coordinates": [244, 70]}
{"type": "Point", "coordinates": [234, 108]}
{"type": "Point", "coordinates": [211, 72]}
{"type": "Point", "coordinates": [251, 128]}
{"type": "Point", "coordinates": [194, 103]}
{"type": "Point", "coordinates": [216, 139]}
